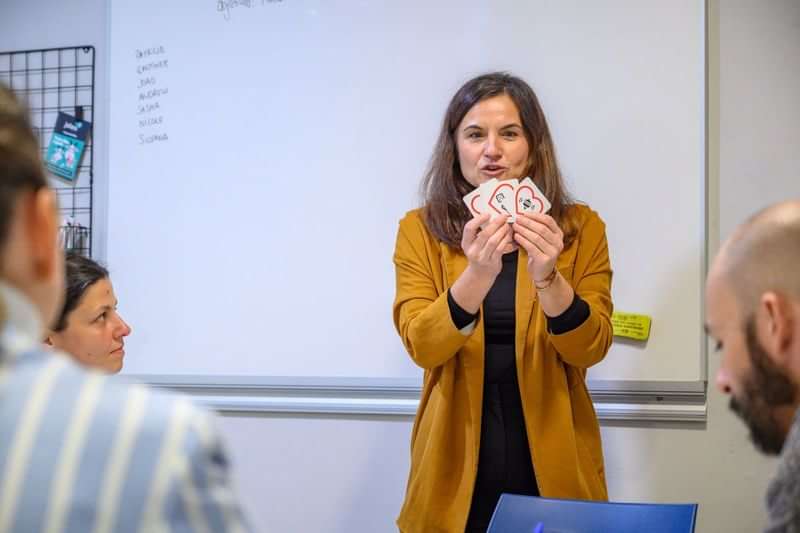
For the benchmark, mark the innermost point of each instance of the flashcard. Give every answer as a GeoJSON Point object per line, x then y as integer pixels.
{"type": "Point", "coordinates": [528, 198]}
{"type": "Point", "coordinates": [500, 198]}
{"type": "Point", "coordinates": [508, 198]}
{"type": "Point", "coordinates": [475, 203]}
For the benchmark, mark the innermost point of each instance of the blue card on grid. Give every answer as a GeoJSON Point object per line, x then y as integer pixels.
{"type": "Point", "coordinates": [67, 145]}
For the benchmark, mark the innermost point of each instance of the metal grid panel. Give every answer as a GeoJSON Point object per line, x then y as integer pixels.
{"type": "Point", "coordinates": [48, 81]}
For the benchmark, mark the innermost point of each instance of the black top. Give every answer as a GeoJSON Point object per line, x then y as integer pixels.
{"type": "Point", "coordinates": [504, 461]}
{"type": "Point", "coordinates": [575, 315]}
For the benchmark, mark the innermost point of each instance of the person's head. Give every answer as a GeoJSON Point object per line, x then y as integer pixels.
{"type": "Point", "coordinates": [30, 257]}
{"type": "Point", "coordinates": [89, 327]}
{"type": "Point", "coordinates": [494, 127]}
{"type": "Point", "coordinates": [753, 313]}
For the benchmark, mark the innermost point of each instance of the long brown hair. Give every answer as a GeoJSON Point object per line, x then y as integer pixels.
{"type": "Point", "coordinates": [444, 185]}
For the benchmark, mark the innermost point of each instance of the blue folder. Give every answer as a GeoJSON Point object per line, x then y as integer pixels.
{"type": "Point", "coordinates": [521, 514]}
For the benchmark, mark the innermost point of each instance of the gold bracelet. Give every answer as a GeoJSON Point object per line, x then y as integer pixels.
{"type": "Point", "coordinates": [546, 281]}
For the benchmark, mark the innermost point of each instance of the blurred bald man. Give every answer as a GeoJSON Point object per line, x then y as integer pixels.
{"type": "Point", "coordinates": [753, 313]}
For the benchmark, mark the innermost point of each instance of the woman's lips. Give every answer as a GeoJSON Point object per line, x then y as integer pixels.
{"type": "Point", "coordinates": [493, 171]}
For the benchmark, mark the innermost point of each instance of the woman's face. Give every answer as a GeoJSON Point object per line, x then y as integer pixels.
{"type": "Point", "coordinates": [491, 142]}
{"type": "Point", "coordinates": [95, 332]}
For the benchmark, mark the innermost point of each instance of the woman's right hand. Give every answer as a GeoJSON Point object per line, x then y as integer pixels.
{"type": "Point", "coordinates": [484, 248]}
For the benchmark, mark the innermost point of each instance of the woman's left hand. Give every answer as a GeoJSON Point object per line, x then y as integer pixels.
{"type": "Point", "coordinates": [542, 239]}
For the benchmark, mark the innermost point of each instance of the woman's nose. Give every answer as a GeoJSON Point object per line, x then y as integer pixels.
{"type": "Point", "coordinates": [123, 329]}
{"type": "Point", "coordinates": [492, 148]}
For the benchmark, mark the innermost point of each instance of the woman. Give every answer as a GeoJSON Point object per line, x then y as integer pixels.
{"type": "Point", "coordinates": [89, 327]}
{"type": "Point", "coordinates": [504, 320]}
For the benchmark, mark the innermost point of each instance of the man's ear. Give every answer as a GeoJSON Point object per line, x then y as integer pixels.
{"type": "Point", "coordinates": [777, 326]}
{"type": "Point", "coordinates": [42, 229]}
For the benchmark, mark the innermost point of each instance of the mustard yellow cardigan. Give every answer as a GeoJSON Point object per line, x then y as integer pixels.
{"type": "Point", "coordinates": [560, 420]}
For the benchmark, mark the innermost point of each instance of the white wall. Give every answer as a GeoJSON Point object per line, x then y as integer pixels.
{"type": "Point", "coordinates": [760, 119]}
{"type": "Point", "coordinates": [348, 474]}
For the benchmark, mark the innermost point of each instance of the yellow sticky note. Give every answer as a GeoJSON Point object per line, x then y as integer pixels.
{"type": "Point", "coordinates": [631, 325]}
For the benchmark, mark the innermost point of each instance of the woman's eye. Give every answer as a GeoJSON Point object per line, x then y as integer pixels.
{"type": "Point", "coordinates": [511, 134]}
{"type": "Point", "coordinates": [474, 135]}
{"type": "Point", "coordinates": [718, 346]}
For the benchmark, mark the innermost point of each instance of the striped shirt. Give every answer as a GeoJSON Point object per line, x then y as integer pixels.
{"type": "Point", "coordinates": [83, 452]}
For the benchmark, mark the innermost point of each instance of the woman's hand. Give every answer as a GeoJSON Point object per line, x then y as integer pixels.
{"type": "Point", "coordinates": [484, 248]}
{"type": "Point", "coordinates": [541, 237]}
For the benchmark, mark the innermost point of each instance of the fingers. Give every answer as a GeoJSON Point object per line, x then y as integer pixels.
{"type": "Point", "coordinates": [534, 239]}
{"type": "Point", "coordinates": [489, 231]}
{"type": "Point", "coordinates": [531, 247]}
{"type": "Point", "coordinates": [496, 241]}
{"type": "Point", "coordinates": [545, 219]}
{"type": "Point", "coordinates": [472, 228]}
{"type": "Point", "coordinates": [533, 224]}
{"type": "Point", "coordinates": [485, 247]}
{"type": "Point", "coordinates": [474, 225]}
{"type": "Point", "coordinates": [502, 248]}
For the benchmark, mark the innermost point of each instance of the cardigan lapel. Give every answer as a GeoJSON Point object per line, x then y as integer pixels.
{"type": "Point", "coordinates": [526, 295]}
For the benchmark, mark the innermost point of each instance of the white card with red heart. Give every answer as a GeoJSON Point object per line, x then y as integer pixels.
{"type": "Point", "coordinates": [499, 198]}
{"type": "Point", "coordinates": [508, 198]}
{"type": "Point", "coordinates": [475, 203]}
{"type": "Point", "coordinates": [528, 198]}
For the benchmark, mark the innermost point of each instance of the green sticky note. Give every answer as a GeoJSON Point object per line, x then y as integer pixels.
{"type": "Point", "coordinates": [631, 325]}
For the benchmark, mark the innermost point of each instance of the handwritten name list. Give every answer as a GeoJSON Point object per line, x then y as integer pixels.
{"type": "Point", "coordinates": [152, 66]}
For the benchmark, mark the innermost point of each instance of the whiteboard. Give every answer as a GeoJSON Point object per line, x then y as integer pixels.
{"type": "Point", "coordinates": [262, 153]}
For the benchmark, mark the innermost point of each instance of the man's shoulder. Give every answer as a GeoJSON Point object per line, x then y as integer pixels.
{"type": "Point", "coordinates": [124, 445]}
{"type": "Point", "coordinates": [114, 396]}
{"type": "Point", "coordinates": [783, 494]}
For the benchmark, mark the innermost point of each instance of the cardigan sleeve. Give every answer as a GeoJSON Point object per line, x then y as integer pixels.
{"type": "Point", "coordinates": [461, 318]}
{"type": "Point", "coordinates": [575, 315]}
{"type": "Point", "coordinates": [421, 312]}
{"type": "Point", "coordinates": [588, 344]}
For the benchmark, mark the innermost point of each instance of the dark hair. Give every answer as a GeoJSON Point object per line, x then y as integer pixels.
{"type": "Point", "coordinates": [82, 273]}
{"type": "Point", "coordinates": [20, 159]}
{"type": "Point", "coordinates": [444, 185]}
